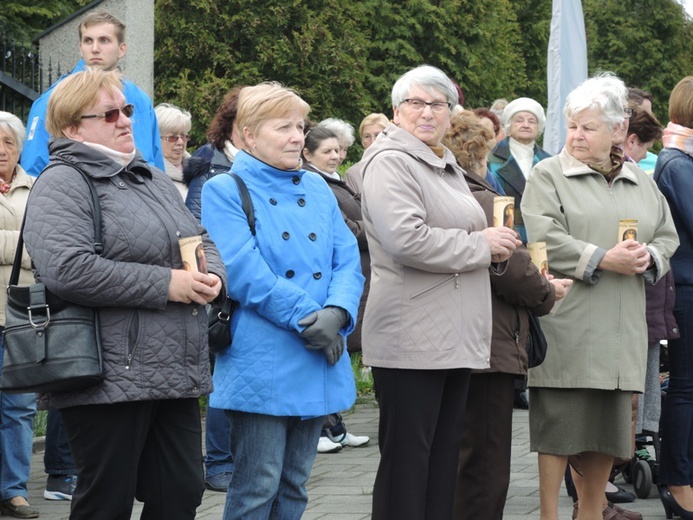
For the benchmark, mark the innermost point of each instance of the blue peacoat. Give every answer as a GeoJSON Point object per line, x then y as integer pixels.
{"type": "Point", "coordinates": [302, 259]}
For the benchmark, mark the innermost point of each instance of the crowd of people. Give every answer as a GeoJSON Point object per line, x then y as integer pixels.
{"type": "Point", "coordinates": [396, 257]}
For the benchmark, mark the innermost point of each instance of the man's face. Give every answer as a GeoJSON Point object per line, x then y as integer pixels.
{"type": "Point", "coordinates": [99, 46]}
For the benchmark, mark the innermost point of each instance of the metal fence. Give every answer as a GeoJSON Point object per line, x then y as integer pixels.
{"type": "Point", "coordinates": [22, 77]}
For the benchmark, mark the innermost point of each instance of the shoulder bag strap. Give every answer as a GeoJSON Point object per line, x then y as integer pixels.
{"type": "Point", "coordinates": [228, 305]}
{"type": "Point", "coordinates": [246, 201]}
{"type": "Point", "coordinates": [98, 245]}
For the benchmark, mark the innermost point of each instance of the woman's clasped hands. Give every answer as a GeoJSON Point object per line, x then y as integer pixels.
{"type": "Point", "coordinates": [188, 287]}
{"type": "Point", "coordinates": [628, 257]}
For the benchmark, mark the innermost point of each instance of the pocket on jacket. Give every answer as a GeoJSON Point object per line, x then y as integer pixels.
{"type": "Point", "coordinates": [133, 336]}
{"type": "Point", "coordinates": [431, 321]}
{"type": "Point", "coordinates": [432, 290]}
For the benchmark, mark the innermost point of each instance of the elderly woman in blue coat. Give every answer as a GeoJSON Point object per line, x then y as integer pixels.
{"type": "Point", "coordinates": [298, 283]}
{"type": "Point", "coordinates": [513, 158]}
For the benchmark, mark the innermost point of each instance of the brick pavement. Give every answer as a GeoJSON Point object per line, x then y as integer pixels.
{"type": "Point", "coordinates": [341, 484]}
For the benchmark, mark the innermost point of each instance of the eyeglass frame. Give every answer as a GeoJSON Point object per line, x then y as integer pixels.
{"type": "Point", "coordinates": [628, 112]}
{"type": "Point", "coordinates": [110, 114]}
{"type": "Point", "coordinates": [184, 137]}
{"type": "Point", "coordinates": [433, 104]}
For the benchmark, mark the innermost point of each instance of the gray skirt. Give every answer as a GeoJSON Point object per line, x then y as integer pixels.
{"type": "Point", "coordinates": [567, 421]}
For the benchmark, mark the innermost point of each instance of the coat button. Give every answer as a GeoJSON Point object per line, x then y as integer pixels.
{"type": "Point", "coordinates": [671, 288]}
{"type": "Point", "coordinates": [273, 202]}
{"type": "Point", "coordinates": [121, 184]}
{"type": "Point", "coordinates": [290, 274]}
{"type": "Point", "coordinates": [285, 235]}
{"type": "Point", "coordinates": [301, 202]}
{"type": "Point", "coordinates": [195, 312]}
{"type": "Point", "coordinates": [675, 330]}
{"type": "Point", "coordinates": [296, 180]}
{"type": "Point", "coordinates": [317, 275]}
{"type": "Point", "coordinates": [313, 236]}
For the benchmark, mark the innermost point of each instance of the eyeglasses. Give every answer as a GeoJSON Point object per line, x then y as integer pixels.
{"type": "Point", "coordinates": [628, 112]}
{"type": "Point", "coordinates": [111, 116]}
{"type": "Point", "coordinates": [174, 138]}
{"type": "Point", "coordinates": [420, 104]}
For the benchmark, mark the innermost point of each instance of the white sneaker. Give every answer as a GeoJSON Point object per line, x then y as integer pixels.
{"type": "Point", "coordinates": [325, 445]}
{"type": "Point", "coordinates": [354, 440]}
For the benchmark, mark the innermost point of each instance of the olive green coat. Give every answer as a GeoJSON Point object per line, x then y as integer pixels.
{"type": "Point", "coordinates": [597, 334]}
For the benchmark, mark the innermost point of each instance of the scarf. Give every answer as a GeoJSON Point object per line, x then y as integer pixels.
{"type": "Point", "coordinates": [679, 137]}
{"type": "Point", "coordinates": [6, 186]}
{"type": "Point", "coordinates": [230, 150]}
{"type": "Point", "coordinates": [121, 158]}
{"type": "Point", "coordinates": [523, 155]}
{"type": "Point", "coordinates": [438, 150]}
{"type": "Point", "coordinates": [334, 175]}
{"type": "Point", "coordinates": [617, 159]}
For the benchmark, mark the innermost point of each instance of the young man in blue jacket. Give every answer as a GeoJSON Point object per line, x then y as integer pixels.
{"type": "Point", "coordinates": [102, 44]}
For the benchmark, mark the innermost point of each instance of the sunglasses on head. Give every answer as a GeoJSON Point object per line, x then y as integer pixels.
{"type": "Point", "coordinates": [111, 116]}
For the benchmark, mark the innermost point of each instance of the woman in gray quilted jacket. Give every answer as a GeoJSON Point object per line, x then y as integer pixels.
{"type": "Point", "coordinates": [137, 434]}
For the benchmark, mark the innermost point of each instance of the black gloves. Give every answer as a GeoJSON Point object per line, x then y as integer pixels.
{"type": "Point", "coordinates": [322, 331]}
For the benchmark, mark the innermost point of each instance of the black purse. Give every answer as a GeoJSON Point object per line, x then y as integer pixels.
{"type": "Point", "coordinates": [536, 342]}
{"type": "Point", "coordinates": [220, 311]}
{"type": "Point", "coordinates": [51, 345]}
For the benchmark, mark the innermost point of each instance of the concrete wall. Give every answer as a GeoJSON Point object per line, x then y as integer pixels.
{"type": "Point", "coordinates": [60, 45]}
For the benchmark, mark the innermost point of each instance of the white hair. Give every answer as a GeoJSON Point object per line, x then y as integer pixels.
{"type": "Point", "coordinates": [605, 93]}
{"type": "Point", "coordinates": [430, 79]}
{"type": "Point", "coordinates": [12, 125]}
{"type": "Point", "coordinates": [343, 130]}
{"type": "Point", "coordinates": [172, 120]}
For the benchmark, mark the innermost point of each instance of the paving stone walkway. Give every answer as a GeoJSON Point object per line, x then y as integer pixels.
{"type": "Point", "coordinates": [341, 484]}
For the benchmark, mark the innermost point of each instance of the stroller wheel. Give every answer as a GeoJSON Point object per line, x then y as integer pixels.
{"type": "Point", "coordinates": [642, 479]}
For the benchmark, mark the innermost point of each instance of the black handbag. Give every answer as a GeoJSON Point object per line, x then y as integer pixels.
{"type": "Point", "coordinates": [51, 345]}
{"type": "Point", "coordinates": [220, 311]}
{"type": "Point", "coordinates": [536, 342]}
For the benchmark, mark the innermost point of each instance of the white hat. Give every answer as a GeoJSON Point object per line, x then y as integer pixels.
{"type": "Point", "coordinates": [523, 104]}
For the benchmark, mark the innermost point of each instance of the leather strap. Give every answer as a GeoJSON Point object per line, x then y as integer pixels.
{"type": "Point", "coordinates": [98, 245]}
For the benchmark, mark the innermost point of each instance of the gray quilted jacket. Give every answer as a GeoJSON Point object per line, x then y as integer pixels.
{"type": "Point", "coordinates": [153, 348]}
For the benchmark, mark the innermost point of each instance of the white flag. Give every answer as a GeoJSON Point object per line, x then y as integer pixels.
{"type": "Point", "coordinates": [566, 66]}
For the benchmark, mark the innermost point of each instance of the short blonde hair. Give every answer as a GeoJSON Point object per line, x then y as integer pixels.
{"type": "Point", "coordinates": [74, 94]}
{"type": "Point", "coordinates": [469, 140]}
{"type": "Point", "coordinates": [268, 100]}
{"type": "Point", "coordinates": [681, 103]}
{"type": "Point", "coordinates": [373, 119]}
{"type": "Point", "coordinates": [11, 124]}
{"type": "Point", "coordinates": [172, 119]}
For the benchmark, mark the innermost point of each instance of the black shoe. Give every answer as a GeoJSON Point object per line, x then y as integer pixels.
{"type": "Point", "coordinates": [620, 496]}
{"type": "Point", "coordinates": [521, 399]}
{"type": "Point", "coordinates": [671, 506]}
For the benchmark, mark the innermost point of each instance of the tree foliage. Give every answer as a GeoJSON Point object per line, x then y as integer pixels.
{"type": "Point", "coordinates": [647, 43]}
{"type": "Point", "coordinates": [22, 20]}
{"type": "Point", "coordinates": [343, 57]}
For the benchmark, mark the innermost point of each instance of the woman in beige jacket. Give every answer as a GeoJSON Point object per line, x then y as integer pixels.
{"type": "Point", "coordinates": [16, 410]}
{"type": "Point", "coordinates": [428, 316]}
{"type": "Point", "coordinates": [581, 395]}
